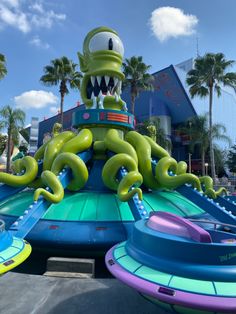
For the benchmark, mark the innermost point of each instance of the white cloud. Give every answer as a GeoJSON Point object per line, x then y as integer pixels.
{"type": "Point", "coordinates": [167, 22]}
{"type": "Point", "coordinates": [37, 42]}
{"type": "Point", "coordinates": [54, 110]}
{"type": "Point", "coordinates": [35, 99]}
{"type": "Point", "coordinates": [25, 17]}
{"type": "Point", "coordinates": [9, 16]}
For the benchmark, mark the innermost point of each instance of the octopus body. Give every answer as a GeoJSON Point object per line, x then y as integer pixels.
{"type": "Point", "coordinates": [146, 163]}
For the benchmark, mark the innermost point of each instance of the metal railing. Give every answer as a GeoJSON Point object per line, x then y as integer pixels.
{"type": "Point", "coordinates": [215, 223]}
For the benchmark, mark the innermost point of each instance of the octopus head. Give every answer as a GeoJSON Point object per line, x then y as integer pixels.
{"type": "Point", "coordinates": [101, 63]}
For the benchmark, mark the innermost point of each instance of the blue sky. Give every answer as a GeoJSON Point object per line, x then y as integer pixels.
{"type": "Point", "coordinates": [164, 32]}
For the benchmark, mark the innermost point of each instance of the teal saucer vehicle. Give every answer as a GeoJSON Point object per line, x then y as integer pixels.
{"type": "Point", "coordinates": [178, 265]}
{"type": "Point", "coordinates": [85, 191]}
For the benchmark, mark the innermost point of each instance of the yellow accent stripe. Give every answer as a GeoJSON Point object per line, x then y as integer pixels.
{"type": "Point", "coordinates": [16, 260]}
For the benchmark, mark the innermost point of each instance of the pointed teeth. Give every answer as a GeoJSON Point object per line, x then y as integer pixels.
{"type": "Point", "coordinates": [107, 79]}
{"type": "Point", "coordinates": [116, 97]}
{"type": "Point", "coordinates": [115, 81]}
{"type": "Point", "coordinates": [108, 93]}
{"type": "Point", "coordinates": [119, 85]}
{"type": "Point", "coordinates": [100, 94]}
{"type": "Point", "coordinates": [99, 78]}
{"type": "Point", "coordinates": [93, 80]}
{"type": "Point", "coordinates": [92, 95]}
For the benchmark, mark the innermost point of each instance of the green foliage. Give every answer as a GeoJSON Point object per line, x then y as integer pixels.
{"type": "Point", "coordinates": [220, 160]}
{"type": "Point", "coordinates": [231, 159]}
{"type": "Point", "coordinates": [136, 77]}
{"type": "Point", "coordinates": [62, 72]}
{"type": "Point", "coordinates": [3, 141]}
{"type": "Point", "coordinates": [208, 75]}
{"type": "Point", "coordinates": [3, 69]}
{"type": "Point", "coordinates": [12, 120]}
{"type": "Point", "coordinates": [197, 129]}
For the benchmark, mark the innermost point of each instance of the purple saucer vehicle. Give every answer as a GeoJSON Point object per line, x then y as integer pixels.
{"type": "Point", "coordinates": [178, 265]}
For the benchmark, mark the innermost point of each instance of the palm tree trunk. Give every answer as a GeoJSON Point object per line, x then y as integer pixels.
{"type": "Point", "coordinates": [203, 162]}
{"type": "Point", "coordinates": [61, 109]}
{"type": "Point", "coordinates": [212, 159]}
{"type": "Point", "coordinates": [63, 90]}
{"type": "Point", "coordinates": [8, 150]}
{"type": "Point", "coordinates": [132, 103]}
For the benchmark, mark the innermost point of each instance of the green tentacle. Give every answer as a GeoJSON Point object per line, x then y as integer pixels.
{"type": "Point", "coordinates": [78, 167]}
{"type": "Point", "coordinates": [52, 181]}
{"type": "Point", "coordinates": [143, 149]}
{"type": "Point", "coordinates": [208, 187]}
{"type": "Point", "coordinates": [157, 150]}
{"type": "Point", "coordinates": [114, 143]}
{"type": "Point", "coordinates": [79, 143]}
{"type": "Point", "coordinates": [54, 146]}
{"type": "Point", "coordinates": [181, 167]}
{"type": "Point", "coordinates": [27, 164]}
{"type": "Point", "coordinates": [99, 149]}
{"type": "Point", "coordinates": [16, 166]}
{"type": "Point", "coordinates": [40, 152]}
{"type": "Point", "coordinates": [124, 192]}
{"type": "Point", "coordinates": [172, 182]}
{"type": "Point", "coordinates": [57, 127]}
{"type": "Point", "coordinates": [109, 176]}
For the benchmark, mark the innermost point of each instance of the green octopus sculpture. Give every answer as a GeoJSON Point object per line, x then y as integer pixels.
{"type": "Point", "coordinates": [146, 162]}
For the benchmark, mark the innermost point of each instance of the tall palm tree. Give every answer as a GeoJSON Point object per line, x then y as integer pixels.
{"type": "Point", "coordinates": [61, 71]}
{"type": "Point", "coordinates": [198, 131]}
{"type": "Point", "coordinates": [3, 69]}
{"type": "Point", "coordinates": [136, 77]}
{"type": "Point", "coordinates": [13, 120]}
{"type": "Point", "coordinates": [208, 75]}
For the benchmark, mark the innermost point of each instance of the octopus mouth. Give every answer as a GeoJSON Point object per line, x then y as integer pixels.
{"type": "Point", "coordinates": [101, 86]}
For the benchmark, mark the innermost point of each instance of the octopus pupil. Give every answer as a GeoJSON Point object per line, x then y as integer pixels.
{"type": "Point", "coordinates": [110, 44]}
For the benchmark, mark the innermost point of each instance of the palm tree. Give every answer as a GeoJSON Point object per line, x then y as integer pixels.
{"type": "Point", "coordinates": [136, 77]}
{"type": "Point", "coordinates": [12, 120]}
{"type": "Point", "coordinates": [198, 132]}
{"type": "Point", "coordinates": [208, 75]}
{"type": "Point", "coordinates": [63, 72]}
{"type": "Point", "coordinates": [3, 69]}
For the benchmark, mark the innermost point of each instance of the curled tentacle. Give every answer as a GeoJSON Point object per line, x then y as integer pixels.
{"type": "Point", "coordinates": [40, 152]}
{"type": "Point", "coordinates": [16, 166]}
{"type": "Point", "coordinates": [109, 176]}
{"type": "Point", "coordinates": [78, 167]}
{"type": "Point", "coordinates": [124, 192]}
{"type": "Point", "coordinates": [156, 150]}
{"type": "Point", "coordinates": [143, 149]}
{"type": "Point", "coordinates": [57, 127]}
{"type": "Point", "coordinates": [114, 143]}
{"type": "Point", "coordinates": [27, 164]}
{"type": "Point", "coordinates": [181, 167]}
{"type": "Point", "coordinates": [79, 143]}
{"type": "Point", "coordinates": [52, 181]}
{"type": "Point", "coordinates": [54, 147]}
{"type": "Point", "coordinates": [172, 182]}
{"type": "Point", "coordinates": [207, 183]}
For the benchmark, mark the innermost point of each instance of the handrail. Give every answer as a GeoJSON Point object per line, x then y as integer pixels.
{"type": "Point", "coordinates": [215, 223]}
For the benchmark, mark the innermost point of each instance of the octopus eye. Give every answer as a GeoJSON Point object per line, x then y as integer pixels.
{"type": "Point", "coordinates": [106, 41]}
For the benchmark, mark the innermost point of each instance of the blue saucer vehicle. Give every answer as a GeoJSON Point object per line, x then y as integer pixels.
{"type": "Point", "coordinates": [178, 264]}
